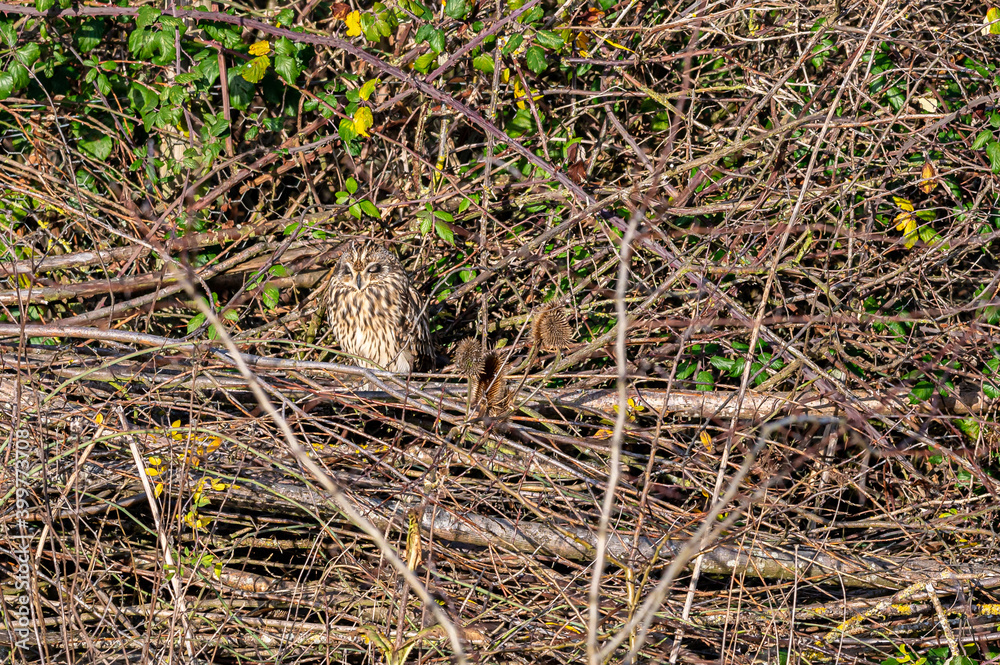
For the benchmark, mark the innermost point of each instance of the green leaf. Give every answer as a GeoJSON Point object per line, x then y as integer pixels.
{"type": "Point", "coordinates": [982, 138]}
{"type": "Point", "coordinates": [8, 34]}
{"type": "Point", "coordinates": [424, 33]}
{"type": "Point", "coordinates": [6, 85]}
{"type": "Point", "coordinates": [423, 63]}
{"type": "Point", "coordinates": [28, 54]}
{"type": "Point", "coordinates": [369, 208]}
{"type": "Point", "coordinates": [484, 63]}
{"type": "Point", "coordinates": [535, 59]}
{"type": "Point", "coordinates": [278, 271]}
{"type": "Point", "coordinates": [146, 16]}
{"type": "Point", "coordinates": [285, 17]}
{"type": "Point", "coordinates": [89, 35]}
{"type": "Point", "coordinates": [254, 70]}
{"type": "Point", "coordinates": [467, 275]}
{"type": "Point", "coordinates": [437, 40]}
{"type": "Point", "coordinates": [512, 44]}
{"type": "Point", "coordinates": [231, 315]}
{"type": "Point", "coordinates": [99, 148]}
{"type": "Point", "coordinates": [346, 130]}
{"type": "Point", "coordinates": [457, 9]}
{"type": "Point", "coordinates": [355, 210]}
{"type": "Point", "coordinates": [270, 296]}
{"type": "Point", "coordinates": [444, 231]}
{"type": "Point", "coordinates": [463, 205]}
{"type": "Point", "coordinates": [721, 363]}
{"type": "Point", "coordinates": [287, 68]}
{"type": "Point", "coordinates": [549, 39]}
{"type": "Point", "coordinates": [425, 224]}
{"type": "Point", "coordinates": [351, 186]}
{"type": "Point", "coordinates": [195, 322]}
{"type": "Point", "coordinates": [921, 392]}
{"type": "Point", "coordinates": [704, 381]}
{"type": "Point", "coordinates": [444, 215]}
{"type": "Point", "coordinates": [44, 5]}
{"type": "Point", "coordinates": [993, 152]}
{"type": "Point", "coordinates": [20, 75]}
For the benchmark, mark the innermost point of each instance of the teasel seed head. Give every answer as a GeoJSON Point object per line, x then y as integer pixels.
{"type": "Point", "coordinates": [469, 358]}
{"type": "Point", "coordinates": [550, 329]}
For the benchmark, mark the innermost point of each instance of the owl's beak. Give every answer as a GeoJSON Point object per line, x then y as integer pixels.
{"type": "Point", "coordinates": [358, 278]}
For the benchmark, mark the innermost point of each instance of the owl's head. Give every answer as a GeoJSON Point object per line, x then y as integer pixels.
{"type": "Point", "coordinates": [364, 265]}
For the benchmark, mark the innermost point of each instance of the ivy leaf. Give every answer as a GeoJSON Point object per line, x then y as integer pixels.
{"type": "Point", "coordinates": [535, 59]}
{"type": "Point", "coordinates": [363, 120]}
{"type": "Point", "coordinates": [99, 148]}
{"type": "Point", "coordinates": [146, 16]}
{"type": "Point", "coordinates": [484, 63]}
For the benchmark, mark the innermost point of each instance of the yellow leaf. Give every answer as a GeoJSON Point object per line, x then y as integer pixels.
{"type": "Point", "coordinates": [158, 490]}
{"type": "Point", "coordinates": [505, 75]}
{"type": "Point", "coordinates": [155, 461]}
{"type": "Point", "coordinates": [903, 203]}
{"type": "Point", "coordinates": [150, 471]}
{"type": "Point", "coordinates": [928, 178]}
{"type": "Point", "coordinates": [706, 440]}
{"type": "Point", "coordinates": [363, 120]}
{"type": "Point", "coordinates": [99, 418]}
{"type": "Point", "coordinates": [625, 48]}
{"type": "Point", "coordinates": [176, 423]}
{"type": "Point", "coordinates": [992, 26]}
{"type": "Point", "coordinates": [353, 21]}
{"type": "Point", "coordinates": [603, 434]}
{"type": "Point", "coordinates": [368, 88]}
{"type": "Point", "coordinates": [260, 48]}
{"type": "Point", "coordinates": [907, 223]}
{"type": "Point", "coordinates": [255, 69]}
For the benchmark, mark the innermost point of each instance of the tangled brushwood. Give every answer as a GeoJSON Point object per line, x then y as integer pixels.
{"type": "Point", "coordinates": [763, 431]}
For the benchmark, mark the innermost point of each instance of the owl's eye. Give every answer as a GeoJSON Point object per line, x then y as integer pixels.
{"type": "Point", "coordinates": [373, 268]}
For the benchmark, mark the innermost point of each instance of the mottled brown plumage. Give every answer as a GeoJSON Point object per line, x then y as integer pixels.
{"type": "Point", "coordinates": [375, 313]}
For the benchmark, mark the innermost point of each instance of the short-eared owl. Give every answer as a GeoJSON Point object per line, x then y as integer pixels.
{"type": "Point", "coordinates": [375, 313]}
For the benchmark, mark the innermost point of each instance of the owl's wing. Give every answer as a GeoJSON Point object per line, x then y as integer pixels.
{"type": "Point", "coordinates": [414, 328]}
